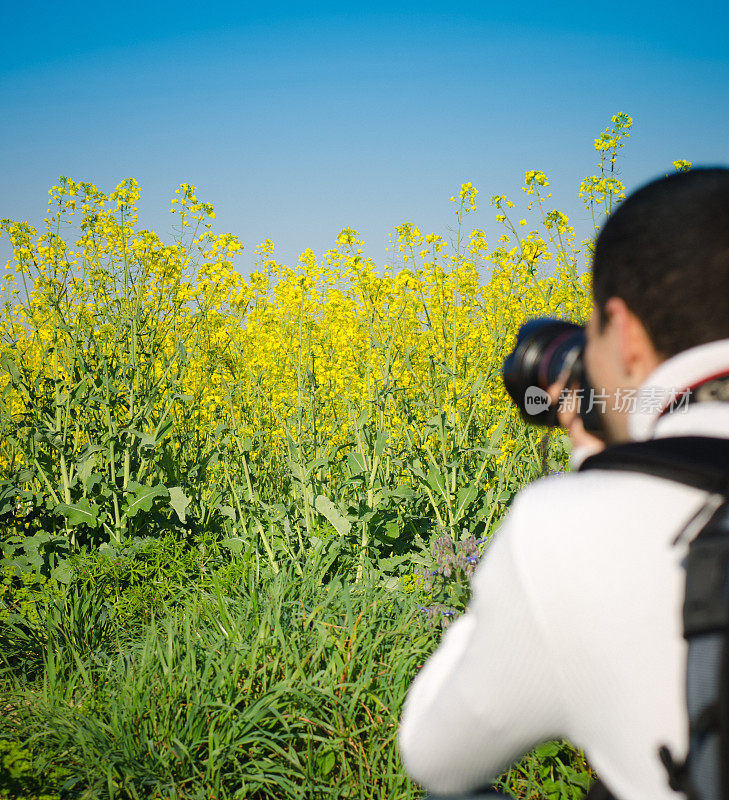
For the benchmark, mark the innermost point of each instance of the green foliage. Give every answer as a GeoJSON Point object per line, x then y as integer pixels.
{"type": "Point", "coordinates": [553, 771]}
{"type": "Point", "coordinates": [234, 682]}
{"type": "Point", "coordinates": [18, 778]}
{"type": "Point", "coordinates": [256, 690]}
{"type": "Point", "coordinates": [92, 461]}
{"type": "Point", "coordinates": [75, 619]}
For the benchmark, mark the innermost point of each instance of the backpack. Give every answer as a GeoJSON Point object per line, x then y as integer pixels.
{"type": "Point", "coordinates": [701, 462]}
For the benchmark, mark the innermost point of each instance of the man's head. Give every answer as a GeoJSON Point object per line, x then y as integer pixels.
{"type": "Point", "coordinates": [660, 280]}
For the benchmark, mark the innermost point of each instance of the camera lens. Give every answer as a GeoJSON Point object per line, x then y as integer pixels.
{"type": "Point", "coordinates": [544, 348]}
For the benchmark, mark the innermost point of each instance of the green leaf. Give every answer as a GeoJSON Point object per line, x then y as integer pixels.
{"type": "Point", "coordinates": [63, 573]}
{"type": "Point", "coordinates": [147, 440]}
{"type": "Point", "coordinates": [437, 482]}
{"type": "Point", "coordinates": [277, 512]}
{"type": "Point", "coordinates": [326, 763]}
{"type": "Point", "coordinates": [356, 463]}
{"type": "Point", "coordinates": [179, 502]}
{"type": "Point", "coordinates": [317, 463]}
{"type": "Point", "coordinates": [387, 564]}
{"type": "Point", "coordinates": [81, 513]}
{"type": "Point", "coordinates": [11, 368]}
{"type": "Point", "coordinates": [7, 498]}
{"type": "Point", "coordinates": [435, 422]}
{"type": "Point", "coordinates": [85, 468]}
{"type": "Point", "coordinates": [465, 497]}
{"type": "Point", "coordinates": [417, 470]}
{"type": "Point", "coordinates": [548, 750]}
{"type": "Point", "coordinates": [143, 499]}
{"type": "Point", "coordinates": [327, 509]}
{"type": "Point", "coordinates": [93, 481]}
{"type": "Point", "coordinates": [499, 432]}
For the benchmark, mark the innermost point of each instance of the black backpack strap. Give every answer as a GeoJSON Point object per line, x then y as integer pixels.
{"type": "Point", "coordinates": [705, 772]}
{"type": "Point", "coordinates": [701, 462]}
{"type": "Point", "coordinates": [698, 461]}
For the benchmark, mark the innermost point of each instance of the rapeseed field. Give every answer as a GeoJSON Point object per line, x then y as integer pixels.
{"type": "Point", "coordinates": [233, 507]}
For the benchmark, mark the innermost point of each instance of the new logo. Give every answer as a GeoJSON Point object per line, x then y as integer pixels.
{"type": "Point", "coordinates": [536, 400]}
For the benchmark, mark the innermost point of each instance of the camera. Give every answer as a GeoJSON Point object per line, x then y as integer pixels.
{"type": "Point", "coordinates": [545, 348]}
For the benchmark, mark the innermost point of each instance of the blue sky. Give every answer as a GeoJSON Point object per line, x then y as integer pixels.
{"type": "Point", "coordinates": [297, 120]}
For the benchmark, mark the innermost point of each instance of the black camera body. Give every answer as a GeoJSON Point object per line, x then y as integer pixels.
{"type": "Point", "coordinates": [545, 348]}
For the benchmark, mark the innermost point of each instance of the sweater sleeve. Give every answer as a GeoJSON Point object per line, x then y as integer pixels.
{"type": "Point", "coordinates": [490, 692]}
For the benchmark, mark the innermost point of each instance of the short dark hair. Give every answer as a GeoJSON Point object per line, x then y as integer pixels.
{"type": "Point", "coordinates": [665, 252]}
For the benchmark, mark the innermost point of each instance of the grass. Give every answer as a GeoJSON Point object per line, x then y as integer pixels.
{"type": "Point", "coordinates": [235, 682]}
{"type": "Point", "coordinates": [277, 688]}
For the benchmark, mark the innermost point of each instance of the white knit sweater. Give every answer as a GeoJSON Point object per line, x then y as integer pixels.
{"type": "Point", "coordinates": [574, 626]}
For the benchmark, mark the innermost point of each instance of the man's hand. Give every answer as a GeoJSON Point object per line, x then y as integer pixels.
{"type": "Point", "coordinates": [583, 443]}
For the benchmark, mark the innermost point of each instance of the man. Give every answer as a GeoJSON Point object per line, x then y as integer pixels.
{"type": "Point", "coordinates": [574, 629]}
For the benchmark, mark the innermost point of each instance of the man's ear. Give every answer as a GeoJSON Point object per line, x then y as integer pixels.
{"type": "Point", "coordinates": [638, 356]}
